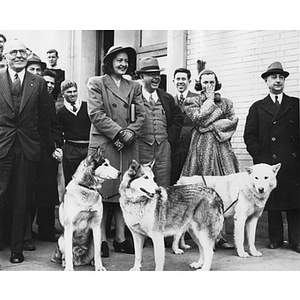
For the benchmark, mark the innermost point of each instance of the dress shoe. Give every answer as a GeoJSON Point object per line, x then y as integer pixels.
{"type": "Point", "coordinates": [28, 245]}
{"type": "Point", "coordinates": [104, 249]}
{"type": "Point", "coordinates": [16, 258]}
{"type": "Point", "coordinates": [224, 244]}
{"type": "Point", "coordinates": [126, 246]}
{"type": "Point", "coordinates": [274, 245]}
{"type": "Point", "coordinates": [296, 247]}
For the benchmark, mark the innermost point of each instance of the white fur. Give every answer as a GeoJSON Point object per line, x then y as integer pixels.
{"type": "Point", "coordinates": [252, 189]}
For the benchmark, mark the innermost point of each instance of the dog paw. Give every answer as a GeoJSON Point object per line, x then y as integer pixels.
{"type": "Point", "coordinates": [196, 265]}
{"type": "Point", "coordinates": [135, 269]}
{"type": "Point", "coordinates": [255, 253]}
{"type": "Point", "coordinates": [186, 247]}
{"type": "Point", "coordinates": [69, 269]}
{"type": "Point", "coordinates": [101, 268]}
{"type": "Point", "coordinates": [178, 251]}
{"type": "Point", "coordinates": [243, 254]}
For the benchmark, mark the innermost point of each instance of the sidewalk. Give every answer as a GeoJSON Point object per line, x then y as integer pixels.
{"type": "Point", "coordinates": [282, 259]}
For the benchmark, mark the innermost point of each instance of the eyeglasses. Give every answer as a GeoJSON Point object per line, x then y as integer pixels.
{"type": "Point", "coordinates": [23, 52]}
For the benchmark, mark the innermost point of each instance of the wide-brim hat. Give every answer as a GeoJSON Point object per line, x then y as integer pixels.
{"type": "Point", "coordinates": [34, 59]}
{"type": "Point", "coordinates": [112, 51]}
{"type": "Point", "coordinates": [275, 68]}
{"type": "Point", "coordinates": [148, 64]}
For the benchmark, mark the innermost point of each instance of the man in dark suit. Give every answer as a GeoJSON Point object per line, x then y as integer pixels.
{"type": "Point", "coordinates": [272, 136]}
{"type": "Point", "coordinates": [24, 121]}
{"type": "Point", "coordinates": [162, 124]}
{"type": "Point", "coordinates": [180, 149]}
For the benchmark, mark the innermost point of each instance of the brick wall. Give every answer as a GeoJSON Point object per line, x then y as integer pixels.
{"type": "Point", "coordinates": [239, 58]}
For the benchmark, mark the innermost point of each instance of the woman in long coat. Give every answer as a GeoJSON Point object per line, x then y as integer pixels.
{"type": "Point", "coordinates": [117, 114]}
{"type": "Point", "coordinates": [214, 120]}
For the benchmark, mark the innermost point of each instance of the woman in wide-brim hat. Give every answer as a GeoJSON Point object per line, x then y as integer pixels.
{"type": "Point", "coordinates": [117, 114]}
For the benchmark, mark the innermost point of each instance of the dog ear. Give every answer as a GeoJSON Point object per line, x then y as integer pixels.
{"type": "Point", "coordinates": [276, 168]}
{"type": "Point", "coordinates": [249, 170]}
{"type": "Point", "coordinates": [151, 163]}
{"type": "Point", "coordinates": [133, 167]}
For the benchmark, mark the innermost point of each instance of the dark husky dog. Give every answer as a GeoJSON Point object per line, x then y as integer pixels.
{"type": "Point", "coordinates": [80, 214]}
{"type": "Point", "coordinates": [156, 212]}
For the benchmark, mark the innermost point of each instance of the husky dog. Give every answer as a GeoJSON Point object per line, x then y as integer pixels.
{"type": "Point", "coordinates": [244, 196]}
{"type": "Point", "coordinates": [156, 212]}
{"type": "Point", "coordinates": [80, 214]}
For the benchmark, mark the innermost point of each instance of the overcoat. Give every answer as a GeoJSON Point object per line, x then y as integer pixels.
{"type": "Point", "coordinates": [214, 124]}
{"type": "Point", "coordinates": [272, 136]}
{"type": "Point", "coordinates": [109, 109]}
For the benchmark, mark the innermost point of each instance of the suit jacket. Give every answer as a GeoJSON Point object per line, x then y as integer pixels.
{"type": "Point", "coordinates": [183, 143]}
{"type": "Point", "coordinates": [31, 124]}
{"type": "Point", "coordinates": [173, 115]}
{"type": "Point", "coordinates": [271, 137]}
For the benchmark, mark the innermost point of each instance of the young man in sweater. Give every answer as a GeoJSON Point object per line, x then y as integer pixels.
{"type": "Point", "coordinates": [76, 128]}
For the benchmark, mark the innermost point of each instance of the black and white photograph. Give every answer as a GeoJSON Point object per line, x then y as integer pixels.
{"type": "Point", "coordinates": [152, 149]}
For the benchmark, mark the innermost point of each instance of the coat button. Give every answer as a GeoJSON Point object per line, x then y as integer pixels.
{"type": "Point", "coordinates": [273, 139]}
{"type": "Point", "coordinates": [114, 105]}
{"type": "Point", "coordinates": [274, 156]}
{"type": "Point", "coordinates": [291, 121]}
{"type": "Point", "coordinates": [274, 122]}
{"type": "Point", "coordinates": [114, 118]}
{"type": "Point", "coordinates": [294, 154]}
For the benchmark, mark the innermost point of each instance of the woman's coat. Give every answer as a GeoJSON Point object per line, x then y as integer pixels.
{"type": "Point", "coordinates": [109, 108]}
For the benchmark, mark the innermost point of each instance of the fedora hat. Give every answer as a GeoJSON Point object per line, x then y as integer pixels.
{"type": "Point", "coordinates": [112, 51]}
{"type": "Point", "coordinates": [148, 64]}
{"type": "Point", "coordinates": [34, 59]}
{"type": "Point", "coordinates": [275, 68]}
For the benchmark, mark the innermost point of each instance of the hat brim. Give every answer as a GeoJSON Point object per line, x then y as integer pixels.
{"type": "Point", "coordinates": [149, 71]}
{"type": "Point", "coordinates": [43, 65]}
{"type": "Point", "coordinates": [130, 52]}
{"type": "Point", "coordinates": [275, 71]}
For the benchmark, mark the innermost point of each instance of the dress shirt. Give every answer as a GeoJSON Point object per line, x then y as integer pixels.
{"type": "Point", "coordinates": [147, 95]}
{"type": "Point", "coordinates": [12, 73]}
{"type": "Point", "coordinates": [279, 97]}
{"type": "Point", "coordinates": [69, 107]}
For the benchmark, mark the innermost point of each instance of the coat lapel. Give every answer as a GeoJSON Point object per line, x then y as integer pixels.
{"type": "Point", "coordinates": [286, 104]}
{"type": "Point", "coordinates": [269, 106]}
{"type": "Point", "coordinates": [121, 92]}
{"type": "Point", "coordinates": [5, 88]}
{"type": "Point", "coordinates": [28, 87]}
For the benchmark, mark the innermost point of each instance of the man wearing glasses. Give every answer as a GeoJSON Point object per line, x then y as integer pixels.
{"type": "Point", "coordinates": [24, 121]}
{"type": "Point", "coordinates": [162, 124]}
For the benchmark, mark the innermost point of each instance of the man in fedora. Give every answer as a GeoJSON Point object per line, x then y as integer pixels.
{"type": "Point", "coordinates": [272, 136]}
{"type": "Point", "coordinates": [162, 124]}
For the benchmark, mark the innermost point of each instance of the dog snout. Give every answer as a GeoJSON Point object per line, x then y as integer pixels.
{"type": "Point", "coordinates": [261, 189]}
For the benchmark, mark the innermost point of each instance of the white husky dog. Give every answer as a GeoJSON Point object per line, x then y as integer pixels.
{"type": "Point", "coordinates": [244, 197]}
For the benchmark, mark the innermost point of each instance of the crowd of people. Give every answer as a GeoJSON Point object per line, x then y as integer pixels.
{"type": "Point", "coordinates": [46, 131]}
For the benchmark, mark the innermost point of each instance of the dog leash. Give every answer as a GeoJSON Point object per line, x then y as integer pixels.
{"type": "Point", "coordinates": [233, 203]}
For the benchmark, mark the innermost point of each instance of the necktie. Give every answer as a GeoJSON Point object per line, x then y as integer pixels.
{"type": "Point", "coordinates": [74, 106]}
{"type": "Point", "coordinates": [151, 100]}
{"type": "Point", "coordinates": [16, 85]}
{"type": "Point", "coordinates": [277, 102]}
{"type": "Point", "coordinates": [181, 99]}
